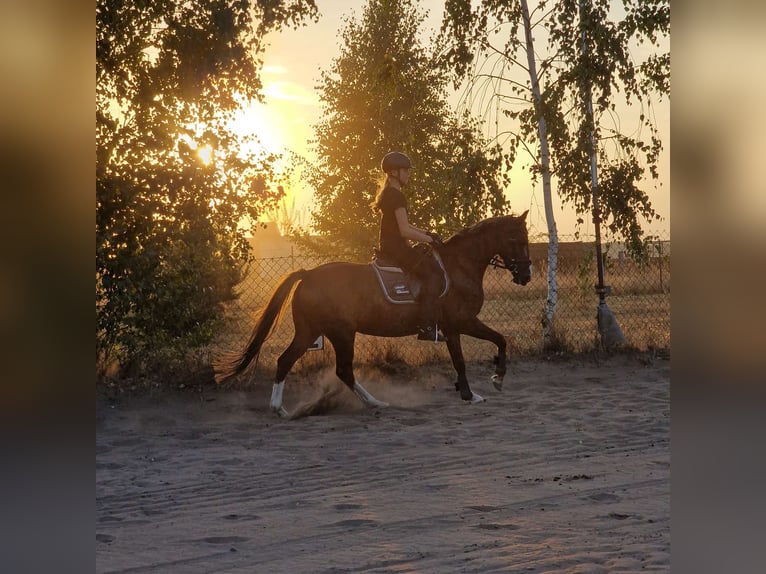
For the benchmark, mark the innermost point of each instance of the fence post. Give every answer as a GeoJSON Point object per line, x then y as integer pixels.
{"type": "Point", "coordinates": [660, 259]}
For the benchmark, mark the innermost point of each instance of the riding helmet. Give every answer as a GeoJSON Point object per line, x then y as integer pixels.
{"type": "Point", "coordinates": [395, 160]}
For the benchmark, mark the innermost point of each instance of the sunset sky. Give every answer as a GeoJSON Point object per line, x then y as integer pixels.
{"type": "Point", "coordinates": [292, 65]}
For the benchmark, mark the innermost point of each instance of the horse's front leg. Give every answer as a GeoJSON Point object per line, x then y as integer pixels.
{"type": "Point", "coordinates": [458, 362]}
{"type": "Point", "coordinates": [479, 330]}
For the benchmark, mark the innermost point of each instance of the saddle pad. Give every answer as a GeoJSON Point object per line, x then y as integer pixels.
{"type": "Point", "coordinates": [398, 287]}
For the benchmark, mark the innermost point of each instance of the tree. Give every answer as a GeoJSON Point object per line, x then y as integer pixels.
{"type": "Point", "coordinates": [385, 92]}
{"type": "Point", "coordinates": [173, 184]}
{"type": "Point", "coordinates": [589, 50]}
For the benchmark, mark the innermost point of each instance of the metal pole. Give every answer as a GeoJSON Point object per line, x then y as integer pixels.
{"type": "Point", "coordinates": [600, 288]}
{"type": "Point", "coordinates": [610, 331]}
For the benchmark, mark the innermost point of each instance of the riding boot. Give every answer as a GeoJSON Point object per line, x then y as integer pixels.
{"type": "Point", "coordinates": [428, 301]}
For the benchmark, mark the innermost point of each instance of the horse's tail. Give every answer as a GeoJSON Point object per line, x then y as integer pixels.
{"type": "Point", "coordinates": [264, 327]}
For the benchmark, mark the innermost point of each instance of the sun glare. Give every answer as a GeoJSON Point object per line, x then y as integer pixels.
{"type": "Point", "coordinates": [256, 120]}
{"type": "Point", "coordinates": [205, 154]}
{"type": "Point", "coordinates": [280, 126]}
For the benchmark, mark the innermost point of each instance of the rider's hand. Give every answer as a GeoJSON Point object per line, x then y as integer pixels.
{"type": "Point", "coordinates": [436, 241]}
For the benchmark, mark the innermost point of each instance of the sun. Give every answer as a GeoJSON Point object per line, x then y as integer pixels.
{"type": "Point", "coordinates": [205, 154]}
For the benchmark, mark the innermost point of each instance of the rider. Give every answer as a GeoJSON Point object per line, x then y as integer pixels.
{"type": "Point", "coordinates": [396, 230]}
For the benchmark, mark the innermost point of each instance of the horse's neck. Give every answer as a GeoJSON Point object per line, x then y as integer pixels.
{"type": "Point", "coordinates": [471, 255]}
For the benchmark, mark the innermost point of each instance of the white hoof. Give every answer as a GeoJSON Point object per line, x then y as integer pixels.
{"type": "Point", "coordinates": [497, 382]}
{"type": "Point", "coordinates": [276, 400]}
{"type": "Point", "coordinates": [475, 399]}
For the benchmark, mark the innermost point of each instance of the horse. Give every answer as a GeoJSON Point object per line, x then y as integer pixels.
{"type": "Point", "coordinates": [340, 299]}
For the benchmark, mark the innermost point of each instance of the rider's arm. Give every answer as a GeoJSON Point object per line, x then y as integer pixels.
{"type": "Point", "coordinates": [409, 231]}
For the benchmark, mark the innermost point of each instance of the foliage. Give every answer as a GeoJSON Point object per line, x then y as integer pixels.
{"type": "Point", "coordinates": [615, 33]}
{"type": "Point", "coordinates": [384, 92]}
{"type": "Point", "coordinates": [173, 183]}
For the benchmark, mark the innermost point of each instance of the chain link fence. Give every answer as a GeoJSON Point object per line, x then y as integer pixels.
{"type": "Point", "coordinates": [639, 299]}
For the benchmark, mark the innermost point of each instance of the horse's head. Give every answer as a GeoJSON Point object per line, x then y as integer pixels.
{"type": "Point", "coordinates": [514, 248]}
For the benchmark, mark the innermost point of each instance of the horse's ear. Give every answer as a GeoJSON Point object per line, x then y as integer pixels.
{"type": "Point", "coordinates": [523, 216]}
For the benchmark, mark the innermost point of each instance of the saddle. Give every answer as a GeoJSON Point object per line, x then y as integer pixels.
{"type": "Point", "coordinates": [398, 285]}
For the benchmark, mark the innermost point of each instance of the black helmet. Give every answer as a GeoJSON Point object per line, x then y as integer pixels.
{"type": "Point", "coordinates": [395, 160]}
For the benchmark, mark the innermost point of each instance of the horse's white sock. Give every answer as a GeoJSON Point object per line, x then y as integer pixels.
{"type": "Point", "coordinates": [276, 396]}
{"type": "Point", "coordinates": [366, 397]}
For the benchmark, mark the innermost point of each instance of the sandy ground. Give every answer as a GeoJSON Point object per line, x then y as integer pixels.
{"type": "Point", "coordinates": [567, 470]}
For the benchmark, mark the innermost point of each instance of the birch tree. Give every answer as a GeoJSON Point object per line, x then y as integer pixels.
{"type": "Point", "coordinates": [539, 89]}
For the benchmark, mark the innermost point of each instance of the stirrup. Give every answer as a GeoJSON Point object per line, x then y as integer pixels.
{"type": "Point", "coordinates": [431, 334]}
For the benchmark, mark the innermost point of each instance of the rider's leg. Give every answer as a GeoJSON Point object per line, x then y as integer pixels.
{"type": "Point", "coordinates": [428, 301]}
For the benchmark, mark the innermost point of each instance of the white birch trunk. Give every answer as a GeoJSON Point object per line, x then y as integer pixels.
{"type": "Point", "coordinates": [551, 303]}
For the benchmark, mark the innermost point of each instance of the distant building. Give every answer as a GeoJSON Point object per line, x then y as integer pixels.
{"type": "Point", "coordinates": [570, 253]}
{"type": "Point", "coordinates": [617, 250]}
{"type": "Point", "coordinates": [268, 243]}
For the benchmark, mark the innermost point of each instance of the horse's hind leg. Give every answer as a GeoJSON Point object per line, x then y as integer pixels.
{"type": "Point", "coordinates": [302, 339]}
{"type": "Point", "coordinates": [343, 343]}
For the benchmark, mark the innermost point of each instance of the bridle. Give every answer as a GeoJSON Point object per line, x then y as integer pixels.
{"type": "Point", "coordinates": [513, 265]}
{"type": "Point", "coordinates": [499, 263]}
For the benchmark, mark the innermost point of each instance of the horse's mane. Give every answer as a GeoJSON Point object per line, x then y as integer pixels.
{"type": "Point", "coordinates": [480, 227]}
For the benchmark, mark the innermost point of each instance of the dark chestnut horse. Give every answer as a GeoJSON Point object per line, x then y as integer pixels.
{"type": "Point", "coordinates": [338, 300]}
